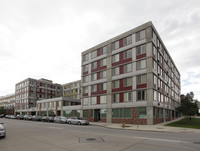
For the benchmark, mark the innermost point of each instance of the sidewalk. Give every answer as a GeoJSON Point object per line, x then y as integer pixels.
{"type": "Point", "coordinates": [156, 128]}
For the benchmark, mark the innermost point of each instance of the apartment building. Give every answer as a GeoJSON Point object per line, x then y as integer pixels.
{"type": "Point", "coordinates": [29, 91]}
{"type": "Point", "coordinates": [8, 103]}
{"type": "Point", "coordinates": [72, 90]}
{"type": "Point", "coordinates": [130, 78]}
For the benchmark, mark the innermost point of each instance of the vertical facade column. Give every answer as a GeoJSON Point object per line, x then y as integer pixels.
{"type": "Point", "coordinates": [61, 107]}
{"type": "Point", "coordinates": [109, 85]}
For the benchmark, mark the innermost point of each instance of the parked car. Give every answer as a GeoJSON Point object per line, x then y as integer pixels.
{"type": "Point", "coordinates": [12, 117]}
{"type": "Point", "coordinates": [77, 120]}
{"type": "Point", "coordinates": [47, 119]}
{"type": "Point", "coordinates": [36, 118]}
{"type": "Point", "coordinates": [2, 130]}
{"type": "Point", "coordinates": [27, 117]}
{"type": "Point", "coordinates": [20, 117]}
{"type": "Point", "coordinates": [2, 115]}
{"type": "Point", "coordinates": [7, 116]}
{"type": "Point", "coordinates": [60, 119]}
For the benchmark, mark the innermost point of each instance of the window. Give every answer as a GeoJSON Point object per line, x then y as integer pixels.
{"type": "Point", "coordinates": [94, 54]}
{"type": "Point", "coordinates": [85, 101]}
{"type": "Point", "coordinates": [94, 77]}
{"type": "Point", "coordinates": [85, 57]}
{"type": "Point", "coordinates": [127, 96]}
{"type": "Point", "coordinates": [141, 64]}
{"type": "Point", "coordinates": [154, 95]}
{"type": "Point", "coordinates": [103, 113]}
{"type": "Point", "coordinates": [141, 112]}
{"type": "Point", "coordinates": [115, 45]}
{"type": "Point", "coordinates": [115, 84]}
{"type": "Point", "coordinates": [103, 62]}
{"type": "Point", "coordinates": [103, 74]}
{"type": "Point", "coordinates": [85, 113]}
{"type": "Point", "coordinates": [85, 79]}
{"type": "Point", "coordinates": [115, 71]}
{"type": "Point", "coordinates": [127, 41]}
{"type": "Point", "coordinates": [141, 49]}
{"type": "Point", "coordinates": [127, 68]}
{"type": "Point", "coordinates": [102, 99]}
{"type": "Point", "coordinates": [115, 58]}
{"type": "Point", "coordinates": [94, 88]}
{"type": "Point", "coordinates": [94, 100]}
{"type": "Point", "coordinates": [127, 82]}
{"type": "Point", "coordinates": [155, 52]}
{"type": "Point", "coordinates": [141, 79]}
{"type": "Point", "coordinates": [128, 54]}
{"type": "Point", "coordinates": [103, 50]}
{"type": "Point", "coordinates": [160, 113]}
{"type": "Point", "coordinates": [115, 98]}
{"type": "Point", "coordinates": [103, 86]}
{"type": "Point", "coordinates": [122, 113]}
{"type": "Point", "coordinates": [140, 35]}
{"type": "Point", "coordinates": [94, 65]}
{"type": "Point", "coordinates": [141, 95]}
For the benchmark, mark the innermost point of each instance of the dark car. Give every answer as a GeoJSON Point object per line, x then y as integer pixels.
{"type": "Point", "coordinates": [2, 115]}
{"type": "Point", "coordinates": [47, 119]}
{"type": "Point", "coordinates": [60, 119]}
{"type": "Point", "coordinates": [77, 120]}
{"type": "Point", "coordinates": [27, 117]}
{"type": "Point", "coordinates": [36, 118]}
{"type": "Point", "coordinates": [20, 117]}
{"type": "Point", "coordinates": [2, 130]}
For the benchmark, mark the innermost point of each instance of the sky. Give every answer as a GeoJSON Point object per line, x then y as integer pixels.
{"type": "Point", "coordinates": [45, 38]}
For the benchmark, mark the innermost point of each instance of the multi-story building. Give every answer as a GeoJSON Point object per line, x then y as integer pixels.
{"type": "Point", "coordinates": [72, 90]}
{"type": "Point", "coordinates": [130, 78]}
{"type": "Point", "coordinates": [8, 103]}
{"type": "Point", "coordinates": [29, 91]}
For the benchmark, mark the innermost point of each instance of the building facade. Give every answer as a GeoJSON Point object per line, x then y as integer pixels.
{"type": "Point", "coordinates": [29, 91]}
{"type": "Point", "coordinates": [8, 103]}
{"type": "Point", "coordinates": [72, 90]}
{"type": "Point", "coordinates": [130, 78]}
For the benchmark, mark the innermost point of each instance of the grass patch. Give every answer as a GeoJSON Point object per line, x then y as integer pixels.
{"type": "Point", "coordinates": [186, 123]}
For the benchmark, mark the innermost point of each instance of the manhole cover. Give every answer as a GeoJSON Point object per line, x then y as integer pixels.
{"type": "Point", "coordinates": [196, 142]}
{"type": "Point", "coordinates": [91, 140]}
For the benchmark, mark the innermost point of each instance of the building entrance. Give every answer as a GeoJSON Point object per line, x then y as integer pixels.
{"type": "Point", "coordinates": [97, 116]}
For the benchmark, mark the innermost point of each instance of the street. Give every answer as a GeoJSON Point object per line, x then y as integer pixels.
{"type": "Point", "coordinates": [40, 136]}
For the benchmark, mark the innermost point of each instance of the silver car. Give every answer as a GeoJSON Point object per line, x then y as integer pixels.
{"type": "Point", "coordinates": [77, 120]}
{"type": "Point", "coordinates": [2, 130]}
{"type": "Point", "coordinates": [60, 119]}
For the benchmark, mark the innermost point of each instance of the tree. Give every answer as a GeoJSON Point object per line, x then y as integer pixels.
{"type": "Point", "coordinates": [188, 105]}
{"type": "Point", "coordinates": [2, 110]}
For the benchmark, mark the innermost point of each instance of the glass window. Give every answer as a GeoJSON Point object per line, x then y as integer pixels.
{"type": "Point", "coordinates": [115, 98]}
{"type": "Point", "coordinates": [141, 49]}
{"type": "Point", "coordinates": [127, 68]}
{"type": "Point", "coordinates": [127, 82]}
{"type": "Point", "coordinates": [115, 84]}
{"type": "Point", "coordinates": [103, 113]}
{"type": "Point", "coordinates": [94, 100]}
{"type": "Point", "coordinates": [141, 112]}
{"type": "Point", "coordinates": [85, 79]}
{"type": "Point", "coordinates": [141, 64]}
{"type": "Point", "coordinates": [155, 95]}
{"type": "Point", "coordinates": [103, 62]}
{"type": "Point", "coordinates": [115, 58]}
{"type": "Point", "coordinates": [116, 44]}
{"type": "Point", "coordinates": [94, 54]}
{"type": "Point", "coordinates": [103, 86]}
{"type": "Point", "coordinates": [128, 54]}
{"type": "Point", "coordinates": [94, 77]}
{"type": "Point", "coordinates": [122, 113]}
{"type": "Point", "coordinates": [102, 99]}
{"type": "Point", "coordinates": [85, 57]}
{"type": "Point", "coordinates": [85, 113]}
{"type": "Point", "coordinates": [103, 50]}
{"type": "Point", "coordinates": [140, 35]}
{"type": "Point", "coordinates": [85, 101]}
{"type": "Point", "coordinates": [160, 113]}
{"type": "Point", "coordinates": [115, 113]}
{"type": "Point", "coordinates": [102, 74]}
{"type": "Point", "coordinates": [141, 79]}
{"type": "Point", "coordinates": [94, 65]}
{"type": "Point", "coordinates": [141, 95]}
{"type": "Point", "coordinates": [94, 88]}
{"type": "Point", "coordinates": [115, 71]}
{"type": "Point", "coordinates": [127, 96]}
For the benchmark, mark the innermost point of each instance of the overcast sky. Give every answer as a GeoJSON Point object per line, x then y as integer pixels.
{"type": "Point", "coordinates": [45, 38]}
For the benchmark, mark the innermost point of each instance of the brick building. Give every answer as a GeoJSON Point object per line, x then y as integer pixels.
{"type": "Point", "coordinates": [130, 78]}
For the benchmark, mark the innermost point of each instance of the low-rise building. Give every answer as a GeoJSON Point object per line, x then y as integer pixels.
{"type": "Point", "coordinates": [8, 103]}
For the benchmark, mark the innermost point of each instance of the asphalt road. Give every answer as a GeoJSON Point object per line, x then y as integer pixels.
{"type": "Point", "coordinates": [40, 136]}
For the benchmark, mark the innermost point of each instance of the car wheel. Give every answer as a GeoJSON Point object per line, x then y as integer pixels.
{"type": "Point", "coordinates": [79, 123]}
{"type": "Point", "coordinates": [69, 122]}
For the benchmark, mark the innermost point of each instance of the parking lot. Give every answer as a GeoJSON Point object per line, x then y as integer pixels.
{"type": "Point", "coordinates": [42, 136]}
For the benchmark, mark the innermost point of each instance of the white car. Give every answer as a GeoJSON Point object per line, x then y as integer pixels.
{"type": "Point", "coordinates": [2, 130]}
{"type": "Point", "coordinates": [77, 120]}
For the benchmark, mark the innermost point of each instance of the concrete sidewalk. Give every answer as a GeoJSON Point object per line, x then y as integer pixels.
{"type": "Point", "coordinates": [156, 128]}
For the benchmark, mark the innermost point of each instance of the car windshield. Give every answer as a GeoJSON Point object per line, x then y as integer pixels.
{"type": "Point", "coordinates": [80, 118]}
